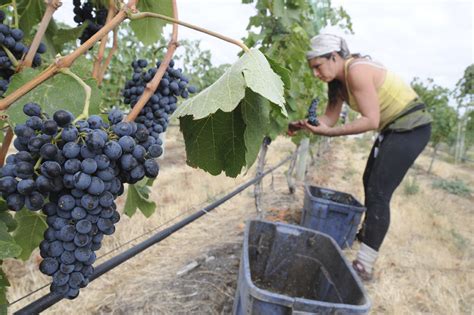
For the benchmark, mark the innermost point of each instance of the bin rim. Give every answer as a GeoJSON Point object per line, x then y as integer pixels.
{"type": "Point", "coordinates": [263, 294]}
{"type": "Point", "coordinates": [359, 207]}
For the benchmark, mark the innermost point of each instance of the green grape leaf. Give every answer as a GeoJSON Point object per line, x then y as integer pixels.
{"type": "Point", "coordinates": [279, 8]}
{"type": "Point", "coordinates": [31, 12]}
{"type": "Point", "coordinates": [3, 292]}
{"type": "Point", "coordinates": [215, 143]}
{"type": "Point", "coordinates": [29, 234]}
{"type": "Point", "coordinates": [284, 73]}
{"type": "Point", "coordinates": [8, 247]}
{"type": "Point", "coordinates": [9, 221]}
{"type": "Point", "coordinates": [256, 116]}
{"type": "Point", "coordinates": [59, 92]}
{"type": "Point", "coordinates": [61, 36]}
{"type": "Point", "coordinates": [224, 94]}
{"type": "Point", "coordinates": [3, 279]}
{"type": "Point", "coordinates": [149, 30]}
{"type": "Point", "coordinates": [138, 197]}
{"type": "Point", "coordinates": [252, 70]}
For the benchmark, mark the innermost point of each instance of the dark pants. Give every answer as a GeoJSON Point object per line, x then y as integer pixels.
{"type": "Point", "coordinates": [396, 153]}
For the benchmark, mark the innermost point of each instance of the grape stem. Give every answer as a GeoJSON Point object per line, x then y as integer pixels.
{"type": "Point", "coordinates": [151, 86]}
{"type": "Point", "coordinates": [38, 163]}
{"type": "Point", "coordinates": [87, 90]}
{"type": "Point", "coordinates": [109, 57]}
{"type": "Point", "coordinates": [52, 6]}
{"type": "Point", "coordinates": [5, 145]}
{"type": "Point", "coordinates": [10, 56]}
{"type": "Point", "coordinates": [137, 16]}
{"type": "Point", "coordinates": [15, 13]}
{"type": "Point", "coordinates": [67, 61]}
{"type": "Point", "coordinates": [96, 72]}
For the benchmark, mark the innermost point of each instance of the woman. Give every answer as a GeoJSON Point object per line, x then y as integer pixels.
{"type": "Point", "coordinates": [385, 104]}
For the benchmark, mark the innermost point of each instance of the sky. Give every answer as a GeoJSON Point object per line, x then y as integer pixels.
{"type": "Point", "coordinates": [423, 38]}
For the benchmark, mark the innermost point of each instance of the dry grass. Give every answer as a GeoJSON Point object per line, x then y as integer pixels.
{"type": "Point", "coordinates": [425, 264]}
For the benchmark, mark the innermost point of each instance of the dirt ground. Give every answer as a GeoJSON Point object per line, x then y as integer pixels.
{"type": "Point", "coordinates": [426, 264]}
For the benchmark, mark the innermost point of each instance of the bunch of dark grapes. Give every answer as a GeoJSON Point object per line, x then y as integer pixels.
{"type": "Point", "coordinates": [94, 17]}
{"type": "Point", "coordinates": [74, 171]}
{"type": "Point", "coordinates": [10, 38]}
{"type": "Point", "coordinates": [312, 118]}
{"type": "Point", "coordinates": [154, 117]}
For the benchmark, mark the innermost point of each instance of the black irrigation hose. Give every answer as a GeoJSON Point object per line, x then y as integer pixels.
{"type": "Point", "coordinates": [50, 299]}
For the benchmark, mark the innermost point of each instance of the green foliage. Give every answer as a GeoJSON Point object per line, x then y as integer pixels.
{"type": "Point", "coordinates": [411, 186]}
{"type": "Point", "coordinates": [29, 232]}
{"type": "Point", "coordinates": [8, 246]}
{"type": "Point", "coordinates": [469, 130]}
{"type": "Point", "coordinates": [30, 13]}
{"type": "Point", "coordinates": [460, 241]}
{"type": "Point", "coordinates": [138, 197]}
{"type": "Point", "coordinates": [61, 91]}
{"type": "Point", "coordinates": [455, 186]}
{"type": "Point", "coordinates": [8, 220]}
{"type": "Point", "coordinates": [227, 141]}
{"type": "Point", "coordinates": [252, 70]}
{"type": "Point", "coordinates": [236, 106]}
{"type": "Point", "coordinates": [213, 143]}
{"type": "Point", "coordinates": [464, 95]}
{"type": "Point", "coordinates": [59, 37]}
{"type": "Point", "coordinates": [285, 29]}
{"type": "Point", "coordinates": [464, 91]}
{"type": "Point", "coordinates": [436, 99]}
{"type": "Point", "coordinates": [149, 30]}
{"type": "Point", "coordinates": [3, 291]}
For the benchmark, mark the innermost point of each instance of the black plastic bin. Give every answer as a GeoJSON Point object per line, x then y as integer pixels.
{"type": "Point", "coordinates": [332, 212]}
{"type": "Point", "coordinates": [289, 269]}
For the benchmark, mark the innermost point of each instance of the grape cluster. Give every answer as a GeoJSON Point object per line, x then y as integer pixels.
{"type": "Point", "coordinates": [154, 117]}
{"type": "Point", "coordinates": [74, 171]}
{"type": "Point", "coordinates": [10, 39]}
{"type": "Point", "coordinates": [94, 17]}
{"type": "Point", "coordinates": [312, 118]}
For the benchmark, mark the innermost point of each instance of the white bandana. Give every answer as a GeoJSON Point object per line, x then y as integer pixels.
{"type": "Point", "coordinates": [327, 43]}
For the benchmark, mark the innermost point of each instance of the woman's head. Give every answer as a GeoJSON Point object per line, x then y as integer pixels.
{"type": "Point", "coordinates": [326, 60]}
{"type": "Point", "coordinates": [327, 55]}
{"type": "Point", "coordinates": [323, 45]}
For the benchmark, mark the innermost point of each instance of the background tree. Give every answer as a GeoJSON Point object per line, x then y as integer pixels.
{"type": "Point", "coordinates": [436, 99]}
{"type": "Point", "coordinates": [464, 96]}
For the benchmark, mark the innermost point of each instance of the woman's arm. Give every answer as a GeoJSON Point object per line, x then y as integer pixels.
{"type": "Point", "coordinates": [362, 86]}
{"type": "Point", "coordinates": [331, 115]}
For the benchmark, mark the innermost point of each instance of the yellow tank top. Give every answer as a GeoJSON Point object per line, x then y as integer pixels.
{"type": "Point", "coordinates": [394, 95]}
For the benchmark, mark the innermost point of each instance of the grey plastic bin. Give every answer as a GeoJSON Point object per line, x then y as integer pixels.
{"type": "Point", "coordinates": [289, 269]}
{"type": "Point", "coordinates": [335, 213]}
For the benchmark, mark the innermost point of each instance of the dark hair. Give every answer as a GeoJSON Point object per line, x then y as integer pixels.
{"type": "Point", "coordinates": [335, 87]}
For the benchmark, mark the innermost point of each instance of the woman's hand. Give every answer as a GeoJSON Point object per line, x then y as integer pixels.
{"type": "Point", "coordinates": [322, 129]}
{"type": "Point", "coordinates": [294, 126]}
